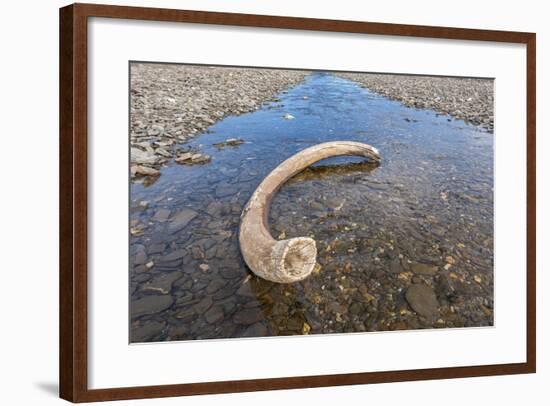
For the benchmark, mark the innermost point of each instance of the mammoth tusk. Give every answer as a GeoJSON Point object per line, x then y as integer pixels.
{"type": "Point", "coordinates": [290, 260]}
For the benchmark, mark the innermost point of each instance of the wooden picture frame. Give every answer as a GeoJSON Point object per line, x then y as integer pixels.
{"type": "Point", "coordinates": [73, 200]}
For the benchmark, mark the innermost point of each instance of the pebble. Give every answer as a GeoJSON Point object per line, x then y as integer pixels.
{"type": "Point", "coordinates": [203, 305]}
{"type": "Point", "coordinates": [150, 304]}
{"type": "Point", "coordinates": [173, 256]}
{"type": "Point", "coordinates": [163, 283]}
{"type": "Point", "coordinates": [181, 219]}
{"type": "Point", "coordinates": [215, 285]}
{"type": "Point", "coordinates": [423, 300]}
{"type": "Point", "coordinates": [255, 330]}
{"type": "Point", "coordinates": [143, 171]}
{"type": "Point", "coordinates": [146, 331]}
{"type": "Point", "coordinates": [214, 314]}
{"type": "Point", "coordinates": [248, 316]}
{"type": "Point", "coordinates": [230, 142]}
{"type": "Point", "coordinates": [423, 269]}
{"type": "Point", "coordinates": [225, 190]}
{"type": "Point", "coordinates": [161, 215]}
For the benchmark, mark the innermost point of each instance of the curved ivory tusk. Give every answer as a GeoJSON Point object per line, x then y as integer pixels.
{"type": "Point", "coordinates": [291, 260]}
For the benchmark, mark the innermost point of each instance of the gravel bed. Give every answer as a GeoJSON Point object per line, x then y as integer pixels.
{"type": "Point", "coordinates": [464, 98]}
{"type": "Point", "coordinates": [172, 103]}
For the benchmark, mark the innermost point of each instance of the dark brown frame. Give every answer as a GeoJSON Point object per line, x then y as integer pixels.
{"type": "Point", "coordinates": [73, 201]}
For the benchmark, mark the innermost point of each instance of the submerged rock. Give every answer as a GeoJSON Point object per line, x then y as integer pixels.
{"type": "Point", "coordinates": [181, 219]}
{"type": "Point", "coordinates": [147, 331]}
{"type": "Point", "coordinates": [214, 314]}
{"type": "Point", "coordinates": [230, 142]}
{"type": "Point", "coordinates": [150, 304]}
{"type": "Point", "coordinates": [422, 299]}
{"type": "Point", "coordinates": [144, 171]}
{"type": "Point", "coordinates": [423, 269]}
{"type": "Point", "coordinates": [189, 158]}
{"type": "Point", "coordinates": [163, 283]}
{"type": "Point", "coordinates": [248, 316]}
{"type": "Point", "coordinates": [255, 330]}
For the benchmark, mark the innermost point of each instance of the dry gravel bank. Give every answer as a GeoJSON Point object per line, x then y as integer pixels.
{"type": "Point", "coordinates": [171, 103]}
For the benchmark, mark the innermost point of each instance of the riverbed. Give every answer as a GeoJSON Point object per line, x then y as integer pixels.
{"type": "Point", "coordinates": [406, 244]}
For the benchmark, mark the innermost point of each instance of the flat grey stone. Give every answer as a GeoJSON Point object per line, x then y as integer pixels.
{"type": "Point", "coordinates": [423, 269]}
{"type": "Point", "coordinates": [214, 314]}
{"type": "Point", "coordinates": [423, 300]}
{"type": "Point", "coordinates": [147, 331]}
{"type": "Point", "coordinates": [151, 304]}
{"type": "Point", "coordinates": [181, 219]}
{"type": "Point", "coordinates": [163, 283]}
{"type": "Point", "coordinates": [248, 316]}
{"type": "Point", "coordinates": [255, 330]}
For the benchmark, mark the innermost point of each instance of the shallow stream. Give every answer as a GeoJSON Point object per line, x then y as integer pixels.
{"type": "Point", "coordinates": [423, 217]}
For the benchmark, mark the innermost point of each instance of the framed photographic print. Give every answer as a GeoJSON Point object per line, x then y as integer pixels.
{"type": "Point", "coordinates": [255, 202]}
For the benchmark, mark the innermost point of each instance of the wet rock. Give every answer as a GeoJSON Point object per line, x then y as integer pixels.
{"type": "Point", "coordinates": [423, 269]}
{"type": "Point", "coordinates": [255, 330]}
{"type": "Point", "coordinates": [147, 331]}
{"type": "Point", "coordinates": [200, 158]}
{"type": "Point", "coordinates": [156, 248]}
{"type": "Point", "coordinates": [224, 292]}
{"type": "Point", "coordinates": [161, 215]}
{"type": "Point", "coordinates": [187, 315]}
{"type": "Point", "coordinates": [135, 248]}
{"type": "Point", "coordinates": [356, 309]}
{"type": "Point", "coordinates": [143, 171]}
{"type": "Point", "coordinates": [181, 219]}
{"type": "Point", "coordinates": [230, 142]}
{"type": "Point", "coordinates": [316, 206]}
{"type": "Point", "coordinates": [155, 130]}
{"type": "Point", "coordinates": [395, 266]}
{"type": "Point", "coordinates": [140, 258]}
{"type": "Point", "coordinates": [245, 290]}
{"type": "Point", "coordinates": [142, 277]}
{"type": "Point", "coordinates": [162, 284]}
{"type": "Point", "coordinates": [215, 285]}
{"type": "Point", "coordinates": [140, 269]}
{"type": "Point", "coordinates": [229, 273]}
{"type": "Point", "coordinates": [225, 190]}
{"type": "Point", "coordinates": [191, 158]}
{"type": "Point", "coordinates": [150, 304]}
{"type": "Point", "coordinates": [335, 203]}
{"type": "Point", "coordinates": [214, 208]}
{"type": "Point", "coordinates": [182, 158]}
{"type": "Point", "coordinates": [203, 305]}
{"type": "Point", "coordinates": [143, 157]}
{"type": "Point", "coordinates": [163, 152]}
{"type": "Point", "coordinates": [197, 252]}
{"type": "Point", "coordinates": [214, 314]}
{"type": "Point", "coordinates": [173, 256]}
{"type": "Point", "coordinates": [295, 324]}
{"type": "Point", "coordinates": [248, 316]}
{"type": "Point", "coordinates": [422, 299]}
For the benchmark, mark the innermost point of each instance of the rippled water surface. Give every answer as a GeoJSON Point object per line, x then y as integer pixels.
{"type": "Point", "coordinates": [404, 245]}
